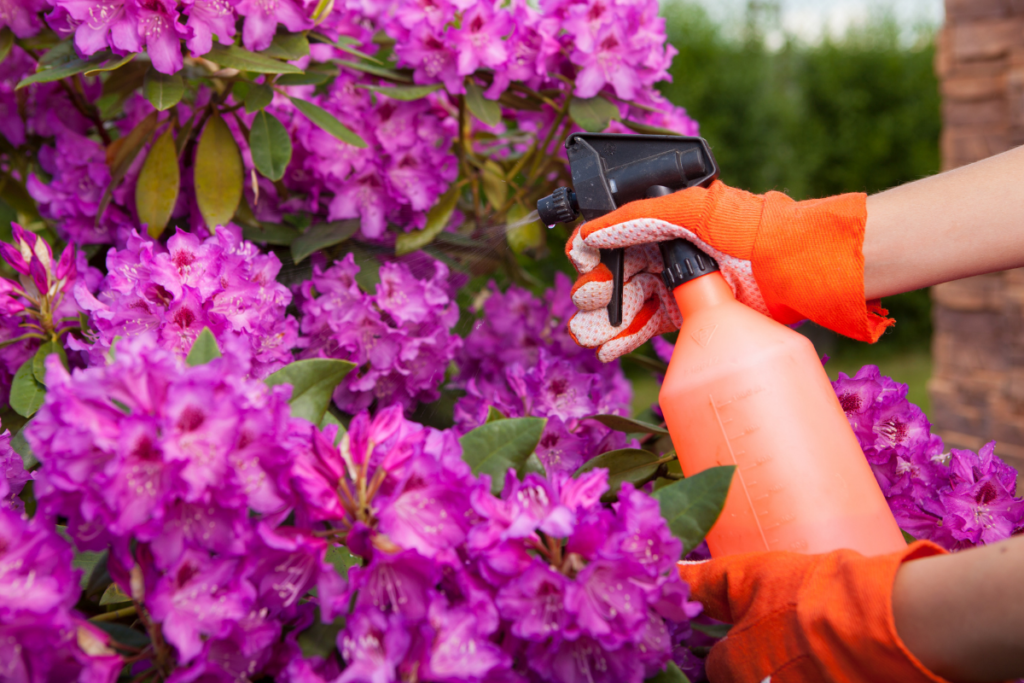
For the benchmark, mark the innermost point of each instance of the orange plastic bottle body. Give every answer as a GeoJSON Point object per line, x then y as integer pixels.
{"type": "Point", "coordinates": [743, 390]}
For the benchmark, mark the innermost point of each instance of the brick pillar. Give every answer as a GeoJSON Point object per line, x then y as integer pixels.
{"type": "Point", "coordinates": [977, 386]}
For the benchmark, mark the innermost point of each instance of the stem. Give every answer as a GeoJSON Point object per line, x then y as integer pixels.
{"type": "Point", "coordinates": [116, 614]}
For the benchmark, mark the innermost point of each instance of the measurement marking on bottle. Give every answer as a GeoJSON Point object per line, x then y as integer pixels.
{"type": "Point", "coordinates": [732, 454]}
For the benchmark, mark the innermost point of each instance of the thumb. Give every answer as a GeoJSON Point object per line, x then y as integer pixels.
{"type": "Point", "coordinates": [736, 587]}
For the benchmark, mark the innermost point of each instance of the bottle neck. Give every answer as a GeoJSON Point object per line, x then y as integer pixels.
{"type": "Point", "coordinates": [704, 292]}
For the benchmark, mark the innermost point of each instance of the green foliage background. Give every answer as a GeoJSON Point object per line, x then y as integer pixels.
{"type": "Point", "coordinates": [857, 113]}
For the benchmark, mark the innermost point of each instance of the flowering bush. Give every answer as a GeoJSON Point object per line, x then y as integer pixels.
{"type": "Point", "coordinates": [294, 403]}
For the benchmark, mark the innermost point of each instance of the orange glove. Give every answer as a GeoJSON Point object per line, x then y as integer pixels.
{"type": "Point", "coordinates": [807, 618]}
{"type": "Point", "coordinates": [790, 260]}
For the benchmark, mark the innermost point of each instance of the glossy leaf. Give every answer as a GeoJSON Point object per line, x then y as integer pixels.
{"type": "Point", "coordinates": [96, 580]}
{"type": "Point", "coordinates": [322, 236]}
{"type": "Point", "coordinates": [121, 154]}
{"type": "Point", "coordinates": [288, 46]}
{"type": "Point", "coordinates": [522, 236]}
{"type": "Point", "coordinates": [239, 58]}
{"type": "Point", "coordinates": [626, 464]}
{"type": "Point", "coordinates": [156, 190]}
{"type": "Point", "coordinates": [39, 359]}
{"type": "Point", "coordinates": [488, 111]}
{"type": "Point", "coordinates": [379, 71]}
{"type": "Point", "coordinates": [110, 65]}
{"type": "Point", "coordinates": [163, 90]}
{"type": "Point", "coordinates": [257, 97]}
{"type": "Point", "coordinates": [405, 93]}
{"type": "Point", "coordinates": [648, 130]}
{"type": "Point", "coordinates": [270, 145]}
{"type": "Point", "coordinates": [122, 634]}
{"type": "Point", "coordinates": [495, 185]}
{"type": "Point", "coordinates": [494, 447]}
{"type": "Point", "coordinates": [346, 44]}
{"type": "Point", "coordinates": [66, 69]}
{"type": "Point", "coordinates": [341, 559]}
{"type": "Point", "coordinates": [311, 77]}
{"type": "Point", "coordinates": [204, 349]}
{"type": "Point", "coordinates": [219, 175]}
{"type": "Point", "coordinates": [270, 233]}
{"type": "Point", "coordinates": [627, 424]}
{"type": "Point", "coordinates": [593, 115]}
{"type": "Point", "coordinates": [493, 414]}
{"type": "Point", "coordinates": [326, 121]}
{"type": "Point", "coordinates": [437, 220]}
{"type": "Point", "coordinates": [6, 42]}
{"type": "Point", "coordinates": [27, 393]}
{"type": "Point", "coordinates": [692, 506]}
{"type": "Point", "coordinates": [670, 674]}
{"type": "Point", "coordinates": [86, 560]}
{"type": "Point", "coordinates": [313, 382]}
{"type": "Point", "coordinates": [114, 596]}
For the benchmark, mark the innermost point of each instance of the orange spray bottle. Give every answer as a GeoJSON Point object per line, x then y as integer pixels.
{"type": "Point", "coordinates": [741, 389]}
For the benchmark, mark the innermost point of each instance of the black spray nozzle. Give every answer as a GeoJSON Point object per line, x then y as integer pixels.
{"type": "Point", "coordinates": [609, 170]}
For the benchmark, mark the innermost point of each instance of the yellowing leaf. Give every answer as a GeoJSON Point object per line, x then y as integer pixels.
{"type": "Point", "coordinates": [495, 185]}
{"type": "Point", "coordinates": [523, 235]}
{"type": "Point", "coordinates": [437, 220]}
{"type": "Point", "coordinates": [156, 190]}
{"type": "Point", "coordinates": [484, 109]}
{"type": "Point", "coordinates": [163, 90]}
{"type": "Point", "coordinates": [219, 175]}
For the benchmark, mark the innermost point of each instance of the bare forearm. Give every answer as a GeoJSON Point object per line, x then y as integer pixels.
{"type": "Point", "coordinates": [956, 224]}
{"type": "Point", "coordinates": [962, 614]}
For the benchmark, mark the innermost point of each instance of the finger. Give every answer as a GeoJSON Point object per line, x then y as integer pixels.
{"type": "Point", "coordinates": [594, 289]}
{"type": "Point", "coordinates": [590, 328]}
{"type": "Point", "coordinates": [647, 323]}
{"type": "Point", "coordinates": [687, 207]}
{"type": "Point", "coordinates": [584, 258]}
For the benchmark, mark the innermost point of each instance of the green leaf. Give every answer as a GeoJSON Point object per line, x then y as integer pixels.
{"type": "Point", "coordinates": [288, 46]}
{"type": "Point", "coordinates": [156, 190]}
{"type": "Point", "coordinates": [39, 360]}
{"type": "Point", "coordinates": [379, 71]}
{"type": "Point", "coordinates": [692, 506]}
{"type": "Point", "coordinates": [627, 425]}
{"type": "Point", "coordinates": [625, 464]}
{"type": "Point", "coordinates": [648, 130]}
{"type": "Point", "coordinates": [495, 185]}
{"type": "Point", "coordinates": [6, 42]}
{"type": "Point", "coordinates": [321, 236]}
{"type": "Point", "coordinates": [163, 90]}
{"type": "Point", "coordinates": [311, 77]}
{"type": "Point", "coordinates": [493, 415]}
{"type": "Point", "coordinates": [326, 121]}
{"type": "Point", "coordinates": [494, 447]}
{"type": "Point", "coordinates": [313, 382]}
{"type": "Point", "coordinates": [96, 580]}
{"type": "Point", "coordinates": [124, 150]}
{"type": "Point", "coordinates": [113, 595]}
{"type": "Point", "coordinates": [488, 111]}
{"type": "Point", "coordinates": [122, 634]}
{"type": "Point", "coordinates": [521, 234]}
{"type": "Point", "coordinates": [369, 269]}
{"type": "Point", "coordinates": [111, 65]}
{"type": "Point", "coordinates": [14, 194]}
{"type": "Point", "coordinates": [204, 349]}
{"type": "Point", "coordinates": [342, 560]}
{"type": "Point", "coordinates": [270, 146]}
{"type": "Point", "coordinates": [670, 674]}
{"type": "Point", "coordinates": [270, 233]}
{"type": "Point", "coordinates": [593, 115]}
{"type": "Point", "coordinates": [258, 97]}
{"type": "Point", "coordinates": [322, 10]}
{"type": "Point", "coordinates": [908, 538]}
{"type": "Point", "coordinates": [67, 69]}
{"type": "Point", "coordinates": [320, 640]}
{"type": "Point", "coordinates": [20, 445]}
{"type": "Point", "coordinates": [437, 220]}
{"type": "Point", "coordinates": [219, 174]}
{"type": "Point", "coordinates": [345, 44]}
{"type": "Point", "coordinates": [86, 560]}
{"type": "Point", "coordinates": [27, 393]}
{"type": "Point", "coordinates": [714, 630]}
{"type": "Point", "coordinates": [239, 58]}
{"type": "Point", "coordinates": [331, 419]}
{"type": "Point", "coordinates": [405, 93]}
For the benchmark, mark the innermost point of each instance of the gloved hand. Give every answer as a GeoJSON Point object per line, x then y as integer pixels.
{"type": "Point", "coordinates": [807, 618]}
{"type": "Point", "coordinates": [790, 260]}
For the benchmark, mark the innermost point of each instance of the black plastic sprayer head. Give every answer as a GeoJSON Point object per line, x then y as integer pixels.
{"type": "Point", "coordinates": [610, 170]}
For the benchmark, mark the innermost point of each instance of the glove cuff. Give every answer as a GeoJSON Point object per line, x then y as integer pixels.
{"type": "Point", "coordinates": [809, 262]}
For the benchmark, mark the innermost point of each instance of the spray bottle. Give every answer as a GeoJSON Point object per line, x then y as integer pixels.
{"type": "Point", "coordinates": [741, 389]}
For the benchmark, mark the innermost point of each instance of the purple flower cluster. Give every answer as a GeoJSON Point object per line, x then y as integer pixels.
{"type": "Point", "coordinates": [399, 336]}
{"type": "Point", "coordinates": [41, 637]}
{"type": "Point", "coordinates": [521, 360]}
{"type": "Point", "coordinates": [13, 476]}
{"type": "Point", "coordinates": [223, 282]}
{"type": "Point", "coordinates": [407, 163]}
{"type": "Point", "coordinates": [185, 475]}
{"type": "Point", "coordinates": [589, 593]}
{"type": "Point", "coordinates": [958, 499]}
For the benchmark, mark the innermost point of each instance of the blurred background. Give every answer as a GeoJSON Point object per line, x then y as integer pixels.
{"type": "Point", "coordinates": [818, 97]}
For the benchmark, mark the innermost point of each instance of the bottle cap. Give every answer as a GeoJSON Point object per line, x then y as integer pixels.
{"type": "Point", "coordinates": [684, 262]}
